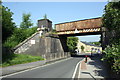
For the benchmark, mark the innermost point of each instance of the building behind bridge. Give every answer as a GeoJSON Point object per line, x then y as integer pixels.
{"type": "Point", "coordinates": [84, 47]}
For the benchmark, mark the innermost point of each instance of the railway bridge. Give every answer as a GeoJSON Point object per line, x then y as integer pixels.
{"type": "Point", "coordinates": [52, 46]}
{"type": "Point", "coordinates": [80, 28]}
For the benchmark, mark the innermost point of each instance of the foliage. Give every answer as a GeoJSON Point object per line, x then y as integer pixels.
{"type": "Point", "coordinates": [8, 25]}
{"type": "Point", "coordinates": [53, 31]}
{"type": "Point", "coordinates": [19, 59]}
{"type": "Point", "coordinates": [111, 20]}
{"type": "Point", "coordinates": [72, 43]}
{"type": "Point", "coordinates": [82, 48]}
{"type": "Point", "coordinates": [28, 32]}
{"type": "Point", "coordinates": [19, 36]}
{"type": "Point", "coordinates": [112, 16]}
{"type": "Point", "coordinates": [26, 21]}
{"type": "Point", "coordinates": [11, 34]}
{"type": "Point", "coordinates": [113, 57]}
{"type": "Point", "coordinates": [96, 43]}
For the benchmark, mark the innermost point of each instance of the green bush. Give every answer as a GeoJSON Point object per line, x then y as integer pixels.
{"type": "Point", "coordinates": [111, 21]}
{"type": "Point", "coordinates": [82, 48]}
{"type": "Point", "coordinates": [19, 36]}
{"type": "Point", "coordinates": [96, 43]}
{"type": "Point", "coordinates": [28, 32]}
{"type": "Point", "coordinates": [72, 43]}
{"type": "Point", "coordinates": [112, 56]}
{"type": "Point", "coordinates": [11, 41]}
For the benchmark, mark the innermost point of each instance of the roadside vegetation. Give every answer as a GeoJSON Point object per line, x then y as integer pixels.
{"type": "Point", "coordinates": [96, 43]}
{"type": "Point", "coordinates": [111, 20]}
{"type": "Point", "coordinates": [12, 35]}
{"type": "Point", "coordinates": [18, 36]}
{"type": "Point", "coordinates": [13, 59]}
{"type": "Point", "coordinates": [53, 31]}
{"type": "Point", "coordinates": [72, 43]}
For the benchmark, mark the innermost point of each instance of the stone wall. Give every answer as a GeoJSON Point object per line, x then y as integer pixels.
{"type": "Point", "coordinates": [49, 48]}
{"type": "Point", "coordinates": [25, 46]}
{"type": "Point", "coordinates": [52, 48]}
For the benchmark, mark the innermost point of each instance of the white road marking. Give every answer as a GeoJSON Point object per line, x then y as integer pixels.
{"type": "Point", "coordinates": [80, 69]}
{"type": "Point", "coordinates": [75, 70]}
{"type": "Point", "coordinates": [34, 68]}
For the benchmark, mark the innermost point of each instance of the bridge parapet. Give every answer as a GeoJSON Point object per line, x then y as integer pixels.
{"type": "Point", "coordinates": [81, 26]}
{"type": "Point", "coordinates": [80, 31]}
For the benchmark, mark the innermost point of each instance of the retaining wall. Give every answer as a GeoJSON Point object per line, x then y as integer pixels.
{"type": "Point", "coordinates": [48, 47]}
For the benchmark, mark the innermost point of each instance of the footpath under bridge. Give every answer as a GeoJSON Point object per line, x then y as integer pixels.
{"type": "Point", "coordinates": [80, 27]}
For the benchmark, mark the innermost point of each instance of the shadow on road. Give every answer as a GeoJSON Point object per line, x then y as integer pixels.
{"type": "Point", "coordinates": [89, 74]}
{"type": "Point", "coordinates": [100, 65]}
{"type": "Point", "coordinates": [81, 55]}
{"type": "Point", "coordinates": [95, 60]}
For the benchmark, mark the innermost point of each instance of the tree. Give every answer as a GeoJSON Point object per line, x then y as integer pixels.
{"type": "Point", "coordinates": [111, 20]}
{"type": "Point", "coordinates": [82, 48]}
{"type": "Point", "coordinates": [96, 43]}
{"type": "Point", "coordinates": [26, 21]}
{"type": "Point", "coordinates": [19, 36]}
{"type": "Point", "coordinates": [72, 43]}
{"type": "Point", "coordinates": [8, 25]}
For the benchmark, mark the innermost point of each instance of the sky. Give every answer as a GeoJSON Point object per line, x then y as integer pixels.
{"type": "Point", "coordinates": [58, 12]}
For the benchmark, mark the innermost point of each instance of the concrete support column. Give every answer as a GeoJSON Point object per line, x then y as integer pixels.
{"type": "Point", "coordinates": [105, 37]}
{"type": "Point", "coordinates": [103, 40]}
{"type": "Point", "coordinates": [63, 40]}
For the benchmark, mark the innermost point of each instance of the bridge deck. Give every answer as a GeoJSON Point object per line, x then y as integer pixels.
{"type": "Point", "coordinates": [81, 26]}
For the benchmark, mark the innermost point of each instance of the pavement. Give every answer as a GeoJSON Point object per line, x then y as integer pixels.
{"type": "Point", "coordinates": [93, 69]}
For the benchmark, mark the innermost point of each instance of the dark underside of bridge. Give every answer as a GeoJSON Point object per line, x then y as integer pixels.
{"type": "Point", "coordinates": [82, 34]}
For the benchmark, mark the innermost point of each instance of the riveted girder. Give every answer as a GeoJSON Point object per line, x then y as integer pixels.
{"type": "Point", "coordinates": [80, 26]}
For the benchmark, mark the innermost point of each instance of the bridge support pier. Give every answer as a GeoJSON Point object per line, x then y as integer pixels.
{"type": "Point", "coordinates": [63, 40]}
{"type": "Point", "coordinates": [105, 37]}
{"type": "Point", "coordinates": [103, 40]}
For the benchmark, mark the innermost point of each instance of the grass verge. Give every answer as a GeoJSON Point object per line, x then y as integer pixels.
{"type": "Point", "coordinates": [14, 59]}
